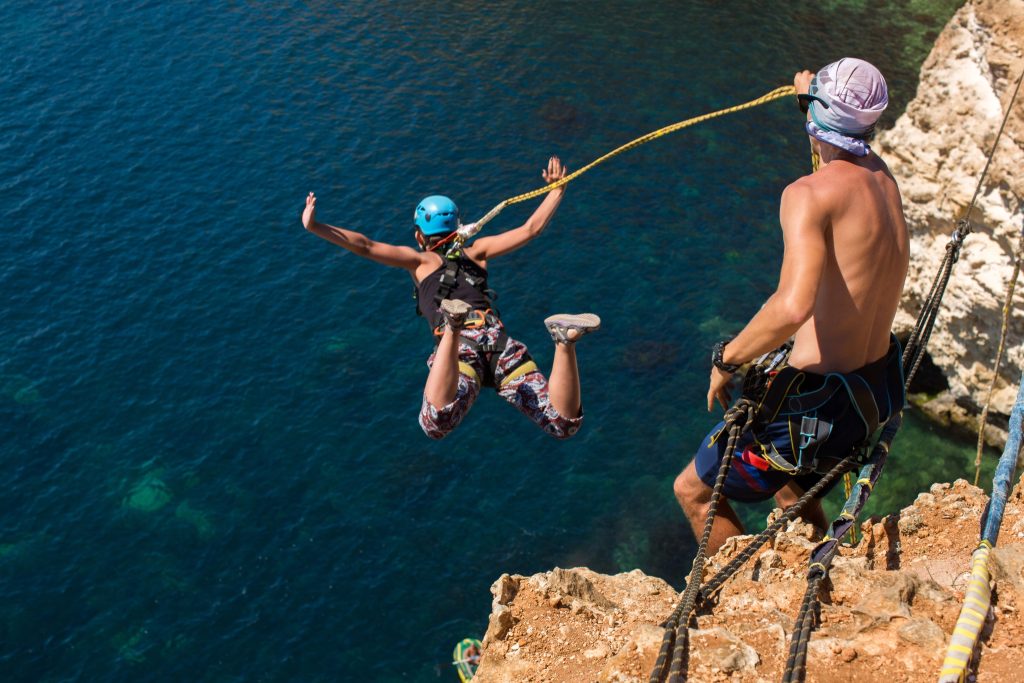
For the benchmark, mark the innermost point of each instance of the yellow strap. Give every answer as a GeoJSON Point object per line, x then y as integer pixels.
{"type": "Point", "coordinates": [847, 479]}
{"type": "Point", "coordinates": [979, 603]}
{"type": "Point", "coordinates": [777, 93]}
{"type": "Point", "coordinates": [527, 367]}
{"type": "Point", "coordinates": [467, 369]}
{"type": "Point", "coordinates": [976, 613]}
{"type": "Point", "coordinates": [866, 482]}
{"type": "Point", "coordinates": [969, 619]}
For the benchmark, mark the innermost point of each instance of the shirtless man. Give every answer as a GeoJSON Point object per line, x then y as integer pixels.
{"type": "Point", "coordinates": [845, 261]}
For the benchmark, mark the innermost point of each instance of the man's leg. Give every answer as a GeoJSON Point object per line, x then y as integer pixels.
{"type": "Point", "coordinates": [443, 380]}
{"type": "Point", "coordinates": [812, 513]}
{"type": "Point", "coordinates": [695, 498]}
{"type": "Point", "coordinates": [564, 380]}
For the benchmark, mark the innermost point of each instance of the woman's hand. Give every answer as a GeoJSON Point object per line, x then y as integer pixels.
{"type": "Point", "coordinates": [309, 213]}
{"type": "Point", "coordinates": [554, 172]}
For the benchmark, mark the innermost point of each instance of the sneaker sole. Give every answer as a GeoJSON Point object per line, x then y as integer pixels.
{"type": "Point", "coordinates": [583, 322]}
{"type": "Point", "coordinates": [455, 307]}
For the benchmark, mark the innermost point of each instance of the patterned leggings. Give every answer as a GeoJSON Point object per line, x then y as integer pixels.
{"type": "Point", "coordinates": [528, 392]}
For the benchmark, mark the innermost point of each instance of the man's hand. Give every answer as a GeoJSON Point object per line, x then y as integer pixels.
{"type": "Point", "coordinates": [802, 82]}
{"type": "Point", "coordinates": [719, 388]}
{"type": "Point", "coordinates": [554, 172]}
{"type": "Point", "coordinates": [309, 214]}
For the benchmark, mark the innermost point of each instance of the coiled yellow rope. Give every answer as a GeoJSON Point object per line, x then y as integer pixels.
{"type": "Point", "coordinates": [471, 229]}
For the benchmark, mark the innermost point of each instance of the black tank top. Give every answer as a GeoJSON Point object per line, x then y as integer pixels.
{"type": "Point", "coordinates": [470, 285]}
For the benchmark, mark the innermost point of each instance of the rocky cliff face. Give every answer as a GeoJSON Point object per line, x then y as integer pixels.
{"type": "Point", "coordinates": [937, 150]}
{"type": "Point", "coordinates": [887, 610]}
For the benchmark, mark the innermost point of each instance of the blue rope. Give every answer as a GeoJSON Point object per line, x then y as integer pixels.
{"type": "Point", "coordinates": [1002, 481]}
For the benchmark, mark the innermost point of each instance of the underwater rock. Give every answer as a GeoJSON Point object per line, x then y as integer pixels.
{"type": "Point", "coordinates": [131, 645]}
{"type": "Point", "coordinates": [646, 355]}
{"type": "Point", "coordinates": [199, 520]}
{"type": "Point", "coordinates": [149, 494]}
{"type": "Point", "coordinates": [562, 117]}
{"type": "Point", "coordinates": [21, 390]}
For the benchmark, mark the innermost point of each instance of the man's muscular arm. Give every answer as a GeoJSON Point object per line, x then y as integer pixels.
{"type": "Point", "coordinates": [803, 230]}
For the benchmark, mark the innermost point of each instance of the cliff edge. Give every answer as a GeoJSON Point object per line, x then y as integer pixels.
{"type": "Point", "coordinates": [887, 610]}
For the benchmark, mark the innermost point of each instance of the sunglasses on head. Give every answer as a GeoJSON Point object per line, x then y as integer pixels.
{"type": "Point", "coordinates": [805, 99]}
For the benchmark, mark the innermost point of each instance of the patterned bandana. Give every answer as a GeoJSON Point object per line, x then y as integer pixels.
{"type": "Point", "coordinates": [847, 97]}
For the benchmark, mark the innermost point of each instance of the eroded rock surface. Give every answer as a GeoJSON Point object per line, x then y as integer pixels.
{"type": "Point", "coordinates": [886, 615]}
{"type": "Point", "coordinates": [937, 150]}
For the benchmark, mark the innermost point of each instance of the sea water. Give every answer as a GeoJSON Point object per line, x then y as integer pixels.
{"type": "Point", "coordinates": [210, 464]}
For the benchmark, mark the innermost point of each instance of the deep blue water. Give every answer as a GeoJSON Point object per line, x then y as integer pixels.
{"type": "Point", "coordinates": [174, 341]}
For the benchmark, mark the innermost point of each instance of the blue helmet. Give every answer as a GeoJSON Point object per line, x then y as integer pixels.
{"type": "Point", "coordinates": [436, 215]}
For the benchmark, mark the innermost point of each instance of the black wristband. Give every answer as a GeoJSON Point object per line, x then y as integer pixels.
{"type": "Point", "coordinates": [716, 357]}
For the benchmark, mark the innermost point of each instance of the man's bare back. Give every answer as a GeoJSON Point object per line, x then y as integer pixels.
{"type": "Point", "coordinates": [844, 263]}
{"type": "Point", "coordinates": [866, 259]}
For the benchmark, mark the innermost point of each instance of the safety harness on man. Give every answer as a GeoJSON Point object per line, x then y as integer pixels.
{"type": "Point", "coordinates": [812, 414]}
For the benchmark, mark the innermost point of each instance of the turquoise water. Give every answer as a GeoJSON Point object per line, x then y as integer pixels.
{"type": "Point", "coordinates": [210, 459]}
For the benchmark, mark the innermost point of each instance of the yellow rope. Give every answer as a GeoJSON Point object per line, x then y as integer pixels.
{"type": "Point", "coordinates": [999, 356]}
{"type": "Point", "coordinates": [783, 91]}
{"type": "Point", "coordinates": [848, 483]}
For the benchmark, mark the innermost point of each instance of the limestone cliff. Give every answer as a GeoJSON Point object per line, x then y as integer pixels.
{"type": "Point", "coordinates": [886, 615]}
{"type": "Point", "coordinates": [937, 150]}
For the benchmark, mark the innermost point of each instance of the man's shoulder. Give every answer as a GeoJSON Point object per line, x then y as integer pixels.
{"type": "Point", "coordinates": [804, 189]}
{"type": "Point", "coordinates": [826, 183]}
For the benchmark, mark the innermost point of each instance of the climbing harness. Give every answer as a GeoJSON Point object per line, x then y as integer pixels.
{"type": "Point", "coordinates": [460, 278]}
{"type": "Point", "coordinates": [978, 598]}
{"type": "Point", "coordinates": [470, 229]}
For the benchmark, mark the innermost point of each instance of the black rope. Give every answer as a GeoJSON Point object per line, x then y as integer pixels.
{"type": "Point", "coordinates": [795, 664]}
{"type": "Point", "coordinates": [789, 514]}
{"type": "Point", "coordinates": [673, 654]}
{"type": "Point", "coordinates": [918, 342]}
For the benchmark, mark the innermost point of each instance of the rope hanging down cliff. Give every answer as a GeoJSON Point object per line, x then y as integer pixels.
{"type": "Point", "coordinates": [467, 231]}
{"type": "Point", "coordinates": [978, 598]}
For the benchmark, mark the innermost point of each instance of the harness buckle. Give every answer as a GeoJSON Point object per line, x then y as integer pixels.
{"type": "Point", "coordinates": [808, 431]}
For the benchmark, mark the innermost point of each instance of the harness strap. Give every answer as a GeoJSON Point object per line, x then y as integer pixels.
{"type": "Point", "coordinates": [783, 399]}
{"type": "Point", "coordinates": [523, 368]}
{"type": "Point", "coordinates": [492, 354]}
{"type": "Point", "coordinates": [468, 370]}
{"type": "Point", "coordinates": [449, 278]}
